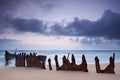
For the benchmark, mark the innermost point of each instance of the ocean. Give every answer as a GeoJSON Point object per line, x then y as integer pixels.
{"type": "Point", "coordinates": [103, 55]}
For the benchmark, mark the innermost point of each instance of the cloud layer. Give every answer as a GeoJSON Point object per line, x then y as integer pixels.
{"type": "Point", "coordinates": [108, 26]}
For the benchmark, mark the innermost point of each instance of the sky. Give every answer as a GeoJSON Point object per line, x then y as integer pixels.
{"type": "Point", "coordinates": [60, 24]}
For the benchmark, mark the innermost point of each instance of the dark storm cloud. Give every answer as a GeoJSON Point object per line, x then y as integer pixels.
{"type": "Point", "coordinates": [8, 9]}
{"type": "Point", "coordinates": [5, 21]}
{"type": "Point", "coordinates": [21, 25]}
{"type": "Point", "coordinates": [30, 25]}
{"type": "Point", "coordinates": [108, 26]}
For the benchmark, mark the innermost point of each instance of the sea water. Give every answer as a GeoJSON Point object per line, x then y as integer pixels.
{"type": "Point", "coordinates": [103, 55]}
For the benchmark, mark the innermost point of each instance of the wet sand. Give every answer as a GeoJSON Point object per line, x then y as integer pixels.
{"type": "Point", "coordinates": [24, 73]}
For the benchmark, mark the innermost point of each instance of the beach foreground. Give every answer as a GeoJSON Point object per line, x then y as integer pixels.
{"type": "Point", "coordinates": [24, 73]}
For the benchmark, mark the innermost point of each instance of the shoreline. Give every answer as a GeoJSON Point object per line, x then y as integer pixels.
{"type": "Point", "coordinates": [25, 73]}
{"type": "Point", "coordinates": [102, 63]}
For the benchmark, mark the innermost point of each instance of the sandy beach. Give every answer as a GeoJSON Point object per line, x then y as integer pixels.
{"type": "Point", "coordinates": [24, 73]}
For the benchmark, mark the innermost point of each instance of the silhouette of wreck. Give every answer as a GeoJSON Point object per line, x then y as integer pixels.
{"type": "Point", "coordinates": [71, 66]}
{"type": "Point", "coordinates": [29, 60]}
{"type": "Point", "coordinates": [49, 64]}
{"type": "Point", "coordinates": [33, 60]}
{"type": "Point", "coordinates": [8, 57]}
{"type": "Point", "coordinates": [109, 68]}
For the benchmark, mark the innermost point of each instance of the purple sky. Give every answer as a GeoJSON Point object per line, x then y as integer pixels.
{"type": "Point", "coordinates": [60, 24]}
